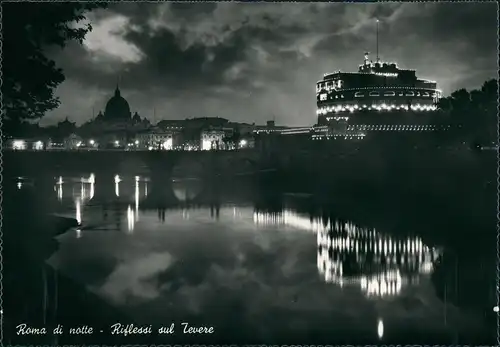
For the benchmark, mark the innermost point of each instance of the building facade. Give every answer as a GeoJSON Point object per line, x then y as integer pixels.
{"type": "Point", "coordinates": [155, 139]}
{"type": "Point", "coordinates": [212, 139]}
{"type": "Point", "coordinates": [379, 97]}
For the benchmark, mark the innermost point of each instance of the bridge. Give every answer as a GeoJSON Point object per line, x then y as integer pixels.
{"type": "Point", "coordinates": [136, 162]}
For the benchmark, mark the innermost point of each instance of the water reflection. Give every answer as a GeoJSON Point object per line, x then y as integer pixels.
{"type": "Point", "coordinates": [351, 255]}
{"type": "Point", "coordinates": [59, 188]}
{"type": "Point", "coordinates": [186, 189]}
{"type": "Point", "coordinates": [117, 185]}
{"type": "Point", "coordinates": [380, 329]}
{"type": "Point", "coordinates": [130, 219]}
{"type": "Point", "coordinates": [23, 182]}
{"type": "Point", "coordinates": [78, 209]}
{"type": "Point", "coordinates": [83, 191]}
{"type": "Point", "coordinates": [333, 267]}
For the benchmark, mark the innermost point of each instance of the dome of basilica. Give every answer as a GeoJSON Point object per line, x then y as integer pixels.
{"type": "Point", "coordinates": [117, 108]}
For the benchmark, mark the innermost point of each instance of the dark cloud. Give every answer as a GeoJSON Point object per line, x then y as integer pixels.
{"type": "Point", "coordinates": [167, 63]}
{"type": "Point", "coordinates": [252, 61]}
{"type": "Point", "coordinates": [187, 11]}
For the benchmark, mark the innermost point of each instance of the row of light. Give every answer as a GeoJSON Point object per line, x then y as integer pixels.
{"type": "Point", "coordinates": [322, 227]}
{"type": "Point", "coordinates": [392, 127]}
{"type": "Point", "coordinates": [83, 196]}
{"type": "Point", "coordinates": [19, 145]}
{"type": "Point", "coordinates": [324, 97]}
{"type": "Point", "coordinates": [132, 215]}
{"type": "Point", "coordinates": [392, 93]}
{"type": "Point", "coordinates": [267, 131]}
{"type": "Point", "coordinates": [83, 192]}
{"type": "Point", "coordinates": [38, 145]}
{"type": "Point", "coordinates": [386, 74]}
{"type": "Point", "coordinates": [386, 245]}
{"type": "Point", "coordinates": [381, 286]}
{"type": "Point", "coordinates": [372, 65]}
{"type": "Point", "coordinates": [339, 136]}
{"type": "Point", "coordinates": [210, 144]}
{"type": "Point", "coordinates": [387, 283]}
{"type": "Point", "coordinates": [380, 63]}
{"type": "Point", "coordinates": [337, 118]}
{"type": "Point", "coordinates": [328, 88]}
{"type": "Point", "coordinates": [294, 130]}
{"type": "Point", "coordinates": [385, 107]}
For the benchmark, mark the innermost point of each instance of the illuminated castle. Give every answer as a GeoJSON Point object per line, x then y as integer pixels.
{"type": "Point", "coordinates": [370, 99]}
{"type": "Point", "coordinates": [375, 87]}
{"type": "Point", "coordinates": [350, 255]}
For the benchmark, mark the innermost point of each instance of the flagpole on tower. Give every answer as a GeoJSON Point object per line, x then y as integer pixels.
{"type": "Point", "coordinates": [378, 59]}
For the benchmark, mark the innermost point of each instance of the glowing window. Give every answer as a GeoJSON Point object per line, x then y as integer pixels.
{"type": "Point", "coordinates": [359, 95]}
{"type": "Point", "coordinates": [323, 97]}
{"type": "Point", "coordinates": [389, 94]}
{"type": "Point", "coordinates": [425, 94]}
{"type": "Point", "coordinates": [410, 94]}
{"type": "Point", "coordinates": [374, 94]}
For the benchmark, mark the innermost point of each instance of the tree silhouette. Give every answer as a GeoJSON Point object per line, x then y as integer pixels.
{"type": "Point", "coordinates": [472, 115]}
{"type": "Point", "coordinates": [29, 77]}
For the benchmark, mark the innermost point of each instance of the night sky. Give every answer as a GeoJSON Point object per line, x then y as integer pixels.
{"type": "Point", "coordinates": [255, 61]}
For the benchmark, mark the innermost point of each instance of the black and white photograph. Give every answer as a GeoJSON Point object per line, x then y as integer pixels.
{"type": "Point", "coordinates": [249, 173]}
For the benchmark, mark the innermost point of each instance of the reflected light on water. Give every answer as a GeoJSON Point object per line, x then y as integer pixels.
{"type": "Point", "coordinates": [92, 185]}
{"type": "Point", "coordinates": [130, 219]}
{"type": "Point", "coordinates": [87, 188]}
{"type": "Point", "coordinates": [78, 233]}
{"type": "Point", "coordinates": [82, 188]}
{"type": "Point", "coordinates": [348, 254]}
{"type": "Point", "coordinates": [137, 198]}
{"type": "Point", "coordinates": [78, 209]}
{"type": "Point", "coordinates": [380, 329]}
{"type": "Point", "coordinates": [117, 185]}
{"type": "Point", "coordinates": [59, 185]}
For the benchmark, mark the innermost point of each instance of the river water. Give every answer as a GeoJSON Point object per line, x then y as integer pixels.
{"type": "Point", "coordinates": [261, 266]}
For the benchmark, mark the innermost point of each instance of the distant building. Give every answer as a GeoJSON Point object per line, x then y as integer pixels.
{"type": "Point", "coordinates": [155, 139]}
{"type": "Point", "coordinates": [212, 139]}
{"type": "Point", "coordinates": [117, 108]}
{"type": "Point", "coordinates": [116, 127]}
{"type": "Point", "coordinates": [270, 127]}
{"type": "Point", "coordinates": [73, 141]}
